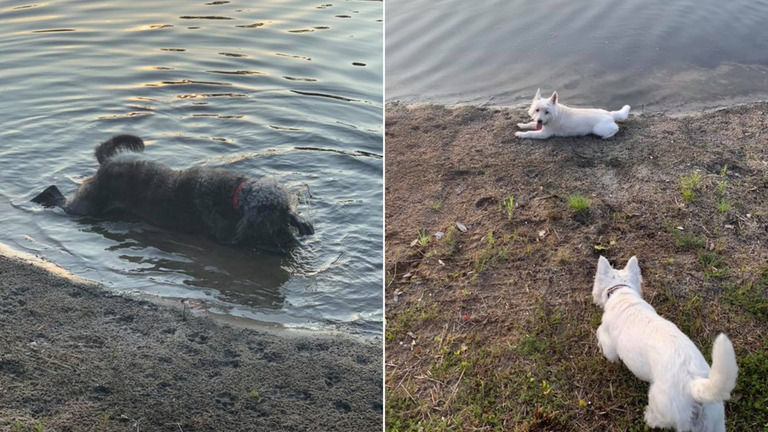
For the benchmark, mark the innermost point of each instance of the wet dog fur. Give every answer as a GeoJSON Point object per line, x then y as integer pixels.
{"type": "Point", "coordinates": [231, 207]}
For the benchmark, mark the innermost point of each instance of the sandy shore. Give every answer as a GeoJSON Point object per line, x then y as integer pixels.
{"type": "Point", "coordinates": [492, 243]}
{"type": "Point", "coordinates": [74, 357]}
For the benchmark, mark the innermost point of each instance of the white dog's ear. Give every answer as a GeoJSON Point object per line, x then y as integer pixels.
{"type": "Point", "coordinates": [554, 98]}
{"type": "Point", "coordinates": [604, 268]}
{"type": "Point", "coordinates": [538, 94]}
{"type": "Point", "coordinates": [633, 268]}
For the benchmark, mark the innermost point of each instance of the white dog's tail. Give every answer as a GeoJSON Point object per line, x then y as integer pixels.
{"type": "Point", "coordinates": [722, 377]}
{"type": "Point", "coordinates": [621, 114]}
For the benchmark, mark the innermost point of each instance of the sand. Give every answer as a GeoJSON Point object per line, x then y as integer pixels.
{"type": "Point", "coordinates": [75, 357]}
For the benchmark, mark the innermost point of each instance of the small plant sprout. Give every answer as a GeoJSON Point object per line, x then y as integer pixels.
{"type": "Point", "coordinates": [721, 186]}
{"type": "Point", "coordinates": [508, 206]}
{"type": "Point", "coordinates": [689, 184]}
{"type": "Point", "coordinates": [423, 238]}
{"type": "Point", "coordinates": [437, 205]}
{"type": "Point", "coordinates": [579, 203]}
{"type": "Point", "coordinates": [723, 206]}
{"type": "Point", "coordinates": [724, 171]}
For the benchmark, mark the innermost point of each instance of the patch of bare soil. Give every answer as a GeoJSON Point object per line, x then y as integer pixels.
{"type": "Point", "coordinates": [491, 249]}
{"type": "Point", "coordinates": [75, 358]}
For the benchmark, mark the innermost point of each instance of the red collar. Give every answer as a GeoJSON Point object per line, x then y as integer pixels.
{"type": "Point", "coordinates": [614, 288]}
{"type": "Point", "coordinates": [236, 197]}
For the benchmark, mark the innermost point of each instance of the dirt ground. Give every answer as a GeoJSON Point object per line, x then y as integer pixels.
{"type": "Point", "coordinates": [492, 244]}
{"type": "Point", "coordinates": [75, 358]}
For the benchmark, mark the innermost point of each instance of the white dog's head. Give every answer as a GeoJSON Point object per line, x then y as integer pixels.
{"type": "Point", "coordinates": [608, 277]}
{"type": "Point", "coordinates": [543, 110]}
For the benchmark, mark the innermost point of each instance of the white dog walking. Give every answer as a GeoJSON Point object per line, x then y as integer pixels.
{"type": "Point", "coordinates": [685, 393]}
{"type": "Point", "coordinates": [553, 119]}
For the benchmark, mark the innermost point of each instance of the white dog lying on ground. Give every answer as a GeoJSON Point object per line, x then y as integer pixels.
{"type": "Point", "coordinates": [685, 393]}
{"type": "Point", "coordinates": [553, 119]}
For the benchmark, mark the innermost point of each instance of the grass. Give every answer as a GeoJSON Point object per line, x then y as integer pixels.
{"type": "Point", "coordinates": [723, 206]}
{"type": "Point", "coordinates": [437, 205]}
{"type": "Point", "coordinates": [423, 238]}
{"type": "Point", "coordinates": [751, 296]}
{"type": "Point", "coordinates": [713, 264]}
{"type": "Point", "coordinates": [579, 203]}
{"type": "Point", "coordinates": [508, 206]}
{"type": "Point", "coordinates": [687, 241]}
{"type": "Point", "coordinates": [752, 384]}
{"type": "Point", "coordinates": [492, 253]}
{"type": "Point", "coordinates": [689, 184]}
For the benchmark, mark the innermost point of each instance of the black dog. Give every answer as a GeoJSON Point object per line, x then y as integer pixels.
{"type": "Point", "coordinates": [233, 208]}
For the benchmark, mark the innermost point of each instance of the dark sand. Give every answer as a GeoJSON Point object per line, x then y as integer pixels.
{"type": "Point", "coordinates": [492, 328]}
{"type": "Point", "coordinates": [74, 357]}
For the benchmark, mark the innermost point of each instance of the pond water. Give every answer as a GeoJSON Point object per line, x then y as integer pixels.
{"type": "Point", "coordinates": [655, 55]}
{"type": "Point", "coordinates": [289, 89]}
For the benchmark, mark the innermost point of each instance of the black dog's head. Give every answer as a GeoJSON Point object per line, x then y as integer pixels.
{"type": "Point", "coordinates": [268, 218]}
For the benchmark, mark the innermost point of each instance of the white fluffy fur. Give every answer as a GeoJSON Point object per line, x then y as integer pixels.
{"type": "Point", "coordinates": [685, 393]}
{"type": "Point", "coordinates": [559, 120]}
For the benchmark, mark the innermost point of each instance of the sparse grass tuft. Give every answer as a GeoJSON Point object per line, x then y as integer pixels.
{"type": "Point", "coordinates": [508, 206]}
{"type": "Point", "coordinates": [687, 241]}
{"type": "Point", "coordinates": [579, 203]}
{"type": "Point", "coordinates": [437, 205]}
{"type": "Point", "coordinates": [423, 238]}
{"type": "Point", "coordinates": [689, 184]}
{"type": "Point", "coordinates": [713, 264]}
{"type": "Point", "coordinates": [493, 253]}
{"type": "Point", "coordinates": [750, 296]}
{"type": "Point", "coordinates": [723, 206]}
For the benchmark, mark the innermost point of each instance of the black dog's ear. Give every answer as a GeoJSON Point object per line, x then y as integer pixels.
{"type": "Point", "coordinates": [50, 197]}
{"type": "Point", "coordinates": [304, 226]}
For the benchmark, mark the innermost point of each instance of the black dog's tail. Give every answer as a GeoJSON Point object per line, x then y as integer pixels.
{"type": "Point", "coordinates": [118, 144]}
{"type": "Point", "coordinates": [50, 197]}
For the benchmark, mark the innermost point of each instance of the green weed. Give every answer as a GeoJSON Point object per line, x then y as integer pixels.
{"type": "Point", "coordinates": [713, 264]}
{"type": "Point", "coordinates": [687, 241]}
{"type": "Point", "coordinates": [579, 203]}
{"type": "Point", "coordinates": [689, 184]}
{"type": "Point", "coordinates": [508, 206]}
{"type": "Point", "coordinates": [723, 206]}
{"type": "Point", "coordinates": [423, 238]}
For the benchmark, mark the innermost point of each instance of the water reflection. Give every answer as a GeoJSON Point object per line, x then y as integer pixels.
{"type": "Point", "coordinates": [252, 278]}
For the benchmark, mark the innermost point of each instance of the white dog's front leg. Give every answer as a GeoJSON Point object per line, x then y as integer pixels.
{"type": "Point", "coordinates": [527, 126]}
{"type": "Point", "coordinates": [606, 345]}
{"type": "Point", "coordinates": [539, 134]}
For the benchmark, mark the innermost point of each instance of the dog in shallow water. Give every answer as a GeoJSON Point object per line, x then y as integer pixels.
{"type": "Point", "coordinates": [551, 118]}
{"type": "Point", "coordinates": [231, 207]}
{"type": "Point", "coordinates": [685, 394]}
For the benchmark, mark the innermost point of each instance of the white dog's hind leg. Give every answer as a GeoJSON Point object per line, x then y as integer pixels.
{"type": "Point", "coordinates": [539, 134]}
{"type": "Point", "coordinates": [657, 404]}
{"type": "Point", "coordinates": [604, 341]}
{"type": "Point", "coordinates": [527, 126]}
{"type": "Point", "coordinates": [605, 129]}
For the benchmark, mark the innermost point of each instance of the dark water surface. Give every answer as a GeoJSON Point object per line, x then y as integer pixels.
{"type": "Point", "coordinates": [655, 55]}
{"type": "Point", "coordinates": [290, 89]}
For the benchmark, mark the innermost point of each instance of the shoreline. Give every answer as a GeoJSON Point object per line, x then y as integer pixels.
{"type": "Point", "coordinates": [75, 356]}
{"type": "Point", "coordinates": [685, 110]}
